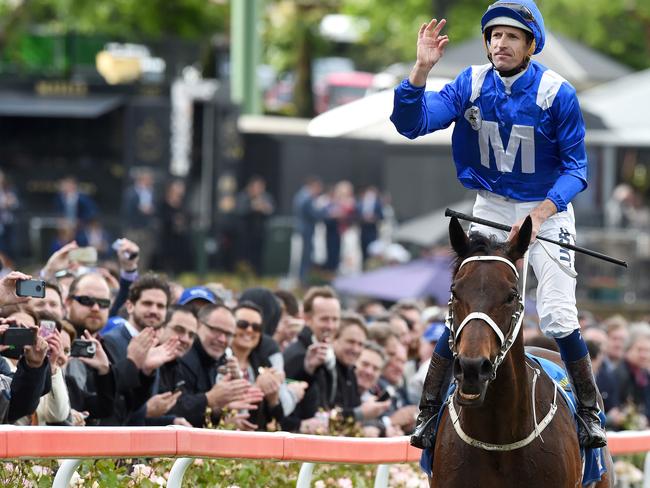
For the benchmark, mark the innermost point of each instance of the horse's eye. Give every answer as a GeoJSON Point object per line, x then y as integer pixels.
{"type": "Point", "coordinates": [511, 297]}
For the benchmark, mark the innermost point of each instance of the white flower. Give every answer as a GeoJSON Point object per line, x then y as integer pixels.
{"type": "Point", "coordinates": [345, 483]}
{"type": "Point", "coordinates": [41, 470]}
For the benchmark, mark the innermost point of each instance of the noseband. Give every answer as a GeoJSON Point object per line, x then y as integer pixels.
{"type": "Point", "coordinates": [516, 319]}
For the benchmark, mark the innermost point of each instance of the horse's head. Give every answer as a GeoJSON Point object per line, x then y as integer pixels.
{"type": "Point", "coordinates": [485, 308]}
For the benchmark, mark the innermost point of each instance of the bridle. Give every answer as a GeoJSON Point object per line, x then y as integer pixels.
{"type": "Point", "coordinates": [516, 319]}
{"type": "Point", "coordinates": [506, 343]}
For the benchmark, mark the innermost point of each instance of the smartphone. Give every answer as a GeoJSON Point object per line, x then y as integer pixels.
{"type": "Point", "coordinates": [46, 328]}
{"type": "Point", "coordinates": [18, 336]}
{"type": "Point", "coordinates": [30, 288]}
{"type": "Point", "coordinates": [82, 349]}
{"type": "Point", "coordinates": [87, 255]}
{"type": "Point", "coordinates": [178, 386]}
{"type": "Point", "coordinates": [383, 396]}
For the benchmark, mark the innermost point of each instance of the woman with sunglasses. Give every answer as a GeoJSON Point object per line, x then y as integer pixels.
{"type": "Point", "coordinates": [518, 140]}
{"type": "Point", "coordinates": [256, 367]}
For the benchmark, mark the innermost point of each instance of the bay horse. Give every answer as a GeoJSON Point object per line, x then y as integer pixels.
{"type": "Point", "coordinates": [512, 429]}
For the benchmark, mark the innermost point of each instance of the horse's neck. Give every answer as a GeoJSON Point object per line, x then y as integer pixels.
{"type": "Point", "coordinates": [507, 400]}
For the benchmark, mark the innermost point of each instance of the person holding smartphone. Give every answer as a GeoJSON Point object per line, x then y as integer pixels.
{"type": "Point", "coordinates": [54, 407]}
{"type": "Point", "coordinates": [29, 381]}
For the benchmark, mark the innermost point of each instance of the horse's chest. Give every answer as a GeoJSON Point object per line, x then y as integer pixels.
{"type": "Point", "coordinates": [467, 467]}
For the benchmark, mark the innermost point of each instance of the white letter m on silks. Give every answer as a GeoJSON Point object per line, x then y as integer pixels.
{"type": "Point", "coordinates": [521, 135]}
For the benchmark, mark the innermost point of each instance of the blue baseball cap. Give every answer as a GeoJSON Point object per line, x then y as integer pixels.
{"type": "Point", "coordinates": [197, 293]}
{"type": "Point", "coordinates": [434, 331]}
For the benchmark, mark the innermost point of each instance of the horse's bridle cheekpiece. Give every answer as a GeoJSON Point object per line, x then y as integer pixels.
{"type": "Point", "coordinates": [515, 320]}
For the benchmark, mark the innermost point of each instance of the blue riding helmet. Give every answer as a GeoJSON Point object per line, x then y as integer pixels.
{"type": "Point", "coordinates": [523, 11]}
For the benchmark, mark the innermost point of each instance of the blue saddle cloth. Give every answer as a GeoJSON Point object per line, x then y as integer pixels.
{"type": "Point", "coordinates": [593, 459]}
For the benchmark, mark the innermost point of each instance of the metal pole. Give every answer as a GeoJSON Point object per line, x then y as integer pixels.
{"type": "Point", "coordinates": [178, 472]}
{"type": "Point", "coordinates": [244, 56]}
{"type": "Point", "coordinates": [65, 472]}
{"type": "Point", "coordinates": [381, 478]}
{"type": "Point", "coordinates": [207, 186]}
{"type": "Point", "coordinates": [304, 477]}
{"type": "Point", "coordinates": [609, 176]}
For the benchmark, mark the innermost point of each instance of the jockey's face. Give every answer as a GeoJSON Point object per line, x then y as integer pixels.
{"type": "Point", "coordinates": [508, 47]}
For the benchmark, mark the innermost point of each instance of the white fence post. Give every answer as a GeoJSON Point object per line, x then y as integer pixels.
{"type": "Point", "coordinates": [646, 470]}
{"type": "Point", "coordinates": [64, 474]}
{"type": "Point", "coordinates": [381, 478]}
{"type": "Point", "coordinates": [178, 472]}
{"type": "Point", "coordinates": [304, 477]}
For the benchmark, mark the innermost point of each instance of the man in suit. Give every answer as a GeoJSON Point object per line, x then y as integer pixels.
{"type": "Point", "coordinates": [73, 205]}
{"type": "Point", "coordinates": [311, 357]}
{"type": "Point", "coordinates": [139, 214]}
{"type": "Point", "coordinates": [131, 347]}
{"type": "Point", "coordinates": [206, 387]}
{"type": "Point", "coordinates": [307, 214]}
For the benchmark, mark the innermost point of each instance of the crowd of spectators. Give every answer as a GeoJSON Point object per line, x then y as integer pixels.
{"type": "Point", "coordinates": [130, 347]}
{"type": "Point", "coordinates": [114, 345]}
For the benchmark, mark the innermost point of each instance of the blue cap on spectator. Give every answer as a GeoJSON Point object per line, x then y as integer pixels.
{"type": "Point", "coordinates": [434, 331]}
{"type": "Point", "coordinates": [197, 293]}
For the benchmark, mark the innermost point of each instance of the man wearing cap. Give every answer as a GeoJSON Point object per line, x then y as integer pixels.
{"type": "Point", "coordinates": [196, 297]}
{"type": "Point", "coordinates": [518, 140]}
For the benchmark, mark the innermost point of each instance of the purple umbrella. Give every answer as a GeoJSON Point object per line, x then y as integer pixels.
{"type": "Point", "coordinates": [421, 278]}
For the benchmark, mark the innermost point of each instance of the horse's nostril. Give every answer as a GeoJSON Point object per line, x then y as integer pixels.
{"type": "Point", "coordinates": [472, 369]}
{"type": "Point", "coordinates": [486, 368]}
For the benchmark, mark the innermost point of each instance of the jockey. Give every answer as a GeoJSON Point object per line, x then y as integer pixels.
{"type": "Point", "coordinates": [518, 140]}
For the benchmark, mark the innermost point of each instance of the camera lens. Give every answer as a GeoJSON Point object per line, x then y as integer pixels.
{"type": "Point", "coordinates": [38, 287]}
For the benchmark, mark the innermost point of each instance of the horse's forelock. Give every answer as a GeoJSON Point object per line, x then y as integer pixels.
{"type": "Point", "coordinates": [480, 244]}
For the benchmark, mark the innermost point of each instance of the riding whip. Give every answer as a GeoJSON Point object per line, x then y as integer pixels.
{"type": "Point", "coordinates": [452, 213]}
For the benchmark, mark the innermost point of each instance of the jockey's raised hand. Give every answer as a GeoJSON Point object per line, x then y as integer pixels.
{"type": "Point", "coordinates": [430, 48]}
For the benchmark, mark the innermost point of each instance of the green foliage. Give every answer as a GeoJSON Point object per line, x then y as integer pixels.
{"type": "Point", "coordinates": [132, 19]}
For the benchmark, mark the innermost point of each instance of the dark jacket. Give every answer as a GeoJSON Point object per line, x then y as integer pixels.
{"type": "Point", "coordinates": [27, 387]}
{"type": "Point", "coordinates": [134, 388]}
{"type": "Point", "coordinates": [90, 391]}
{"type": "Point", "coordinates": [199, 371]}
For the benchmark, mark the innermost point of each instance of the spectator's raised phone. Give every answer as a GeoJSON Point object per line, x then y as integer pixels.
{"type": "Point", "coordinates": [30, 288]}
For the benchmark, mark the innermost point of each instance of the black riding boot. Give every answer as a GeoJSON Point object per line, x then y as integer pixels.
{"type": "Point", "coordinates": [430, 402]}
{"type": "Point", "coordinates": [590, 433]}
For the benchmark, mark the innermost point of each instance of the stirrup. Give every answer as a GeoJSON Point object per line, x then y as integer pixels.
{"type": "Point", "coordinates": [589, 439]}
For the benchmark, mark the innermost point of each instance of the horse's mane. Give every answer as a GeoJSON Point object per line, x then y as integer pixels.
{"type": "Point", "coordinates": [480, 244]}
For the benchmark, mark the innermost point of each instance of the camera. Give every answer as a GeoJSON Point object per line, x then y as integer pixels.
{"type": "Point", "coordinates": [82, 349]}
{"type": "Point", "coordinates": [30, 288]}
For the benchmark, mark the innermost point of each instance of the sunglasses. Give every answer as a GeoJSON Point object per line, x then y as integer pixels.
{"type": "Point", "coordinates": [217, 331]}
{"type": "Point", "coordinates": [87, 301]}
{"type": "Point", "coordinates": [522, 10]}
{"type": "Point", "coordinates": [245, 324]}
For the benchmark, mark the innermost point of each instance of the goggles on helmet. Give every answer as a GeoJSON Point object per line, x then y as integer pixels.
{"type": "Point", "coordinates": [522, 10]}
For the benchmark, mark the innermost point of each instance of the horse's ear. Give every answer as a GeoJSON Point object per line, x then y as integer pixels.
{"type": "Point", "coordinates": [520, 242]}
{"type": "Point", "coordinates": [457, 237]}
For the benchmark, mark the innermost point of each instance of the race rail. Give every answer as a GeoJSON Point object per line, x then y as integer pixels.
{"type": "Point", "coordinates": [75, 443]}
